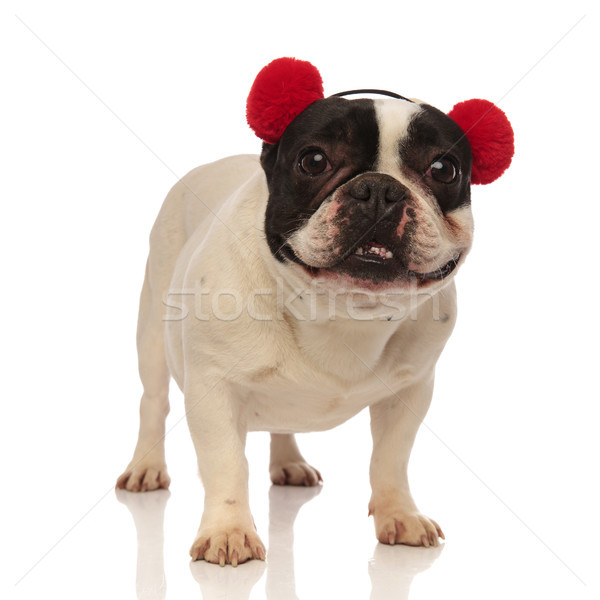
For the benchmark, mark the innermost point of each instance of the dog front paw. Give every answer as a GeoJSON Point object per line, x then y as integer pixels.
{"type": "Point", "coordinates": [144, 476]}
{"type": "Point", "coordinates": [294, 473]}
{"type": "Point", "coordinates": [231, 546]}
{"type": "Point", "coordinates": [397, 525]}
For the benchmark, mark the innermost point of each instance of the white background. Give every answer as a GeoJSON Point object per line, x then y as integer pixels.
{"type": "Point", "coordinates": [104, 105]}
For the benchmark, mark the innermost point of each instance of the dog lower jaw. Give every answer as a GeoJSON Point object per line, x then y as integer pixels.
{"type": "Point", "coordinates": [373, 274]}
{"type": "Point", "coordinates": [440, 273]}
{"type": "Point", "coordinates": [373, 271]}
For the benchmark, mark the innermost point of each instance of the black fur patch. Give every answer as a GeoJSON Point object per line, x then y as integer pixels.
{"type": "Point", "coordinates": [432, 134]}
{"type": "Point", "coordinates": [346, 132]}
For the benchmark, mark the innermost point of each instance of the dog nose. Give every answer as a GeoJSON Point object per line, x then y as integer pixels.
{"type": "Point", "coordinates": [377, 192]}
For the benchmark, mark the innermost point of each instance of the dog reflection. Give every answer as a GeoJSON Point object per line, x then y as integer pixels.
{"type": "Point", "coordinates": [148, 511]}
{"type": "Point", "coordinates": [391, 570]}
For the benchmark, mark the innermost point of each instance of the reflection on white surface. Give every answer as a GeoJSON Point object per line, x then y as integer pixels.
{"type": "Point", "coordinates": [226, 582]}
{"type": "Point", "coordinates": [284, 504]}
{"type": "Point", "coordinates": [391, 569]}
{"type": "Point", "coordinates": [148, 512]}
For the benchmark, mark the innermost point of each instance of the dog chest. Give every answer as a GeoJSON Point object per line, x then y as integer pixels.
{"type": "Point", "coordinates": [281, 406]}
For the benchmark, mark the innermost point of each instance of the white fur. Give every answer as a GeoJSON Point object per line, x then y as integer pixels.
{"type": "Point", "coordinates": [393, 118]}
{"type": "Point", "coordinates": [257, 345]}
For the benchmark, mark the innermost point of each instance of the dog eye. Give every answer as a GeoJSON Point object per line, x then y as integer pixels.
{"type": "Point", "coordinates": [314, 163]}
{"type": "Point", "coordinates": [443, 170]}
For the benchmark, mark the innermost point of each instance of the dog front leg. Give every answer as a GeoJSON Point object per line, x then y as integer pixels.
{"type": "Point", "coordinates": [227, 534]}
{"type": "Point", "coordinates": [394, 425]}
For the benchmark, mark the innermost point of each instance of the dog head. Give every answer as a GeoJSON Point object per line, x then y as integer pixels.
{"type": "Point", "coordinates": [371, 194]}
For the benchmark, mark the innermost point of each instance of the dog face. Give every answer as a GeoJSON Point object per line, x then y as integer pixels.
{"type": "Point", "coordinates": [372, 194]}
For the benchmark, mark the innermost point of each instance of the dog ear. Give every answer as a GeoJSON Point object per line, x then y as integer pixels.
{"type": "Point", "coordinates": [280, 92]}
{"type": "Point", "coordinates": [490, 135]}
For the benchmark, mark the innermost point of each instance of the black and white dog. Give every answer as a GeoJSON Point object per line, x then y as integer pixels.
{"type": "Point", "coordinates": [288, 293]}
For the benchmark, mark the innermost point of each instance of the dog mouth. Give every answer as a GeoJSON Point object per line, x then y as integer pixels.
{"type": "Point", "coordinates": [373, 254]}
{"type": "Point", "coordinates": [375, 261]}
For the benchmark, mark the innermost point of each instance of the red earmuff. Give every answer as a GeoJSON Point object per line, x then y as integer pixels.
{"type": "Point", "coordinates": [490, 135]}
{"type": "Point", "coordinates": [286, 86]}
{"type": "Point", "coordinates": [280, 92]}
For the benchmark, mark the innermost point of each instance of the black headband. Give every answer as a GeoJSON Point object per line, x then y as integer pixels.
{"type": "Point", "coordinates": [380, 92]}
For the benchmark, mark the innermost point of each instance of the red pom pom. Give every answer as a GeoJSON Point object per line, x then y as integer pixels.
{"type": "Point", "coordinates": [491, 137]}
{"type": "Point", "coordinates": [280, 92]}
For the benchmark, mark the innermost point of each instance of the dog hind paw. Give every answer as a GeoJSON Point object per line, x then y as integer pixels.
{"type": "Point", "coordinates": [295, 473]}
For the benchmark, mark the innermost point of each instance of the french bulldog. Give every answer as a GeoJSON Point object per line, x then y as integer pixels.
{"type": "Point", "coordinates": [288, 292]}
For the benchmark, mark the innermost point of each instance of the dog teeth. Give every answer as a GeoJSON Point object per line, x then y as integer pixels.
{"type": "Point", "coordinates": [377, 250]}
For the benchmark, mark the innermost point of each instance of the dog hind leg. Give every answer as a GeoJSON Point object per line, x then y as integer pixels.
{"type": "Point", "coordinates": [287, 465]}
